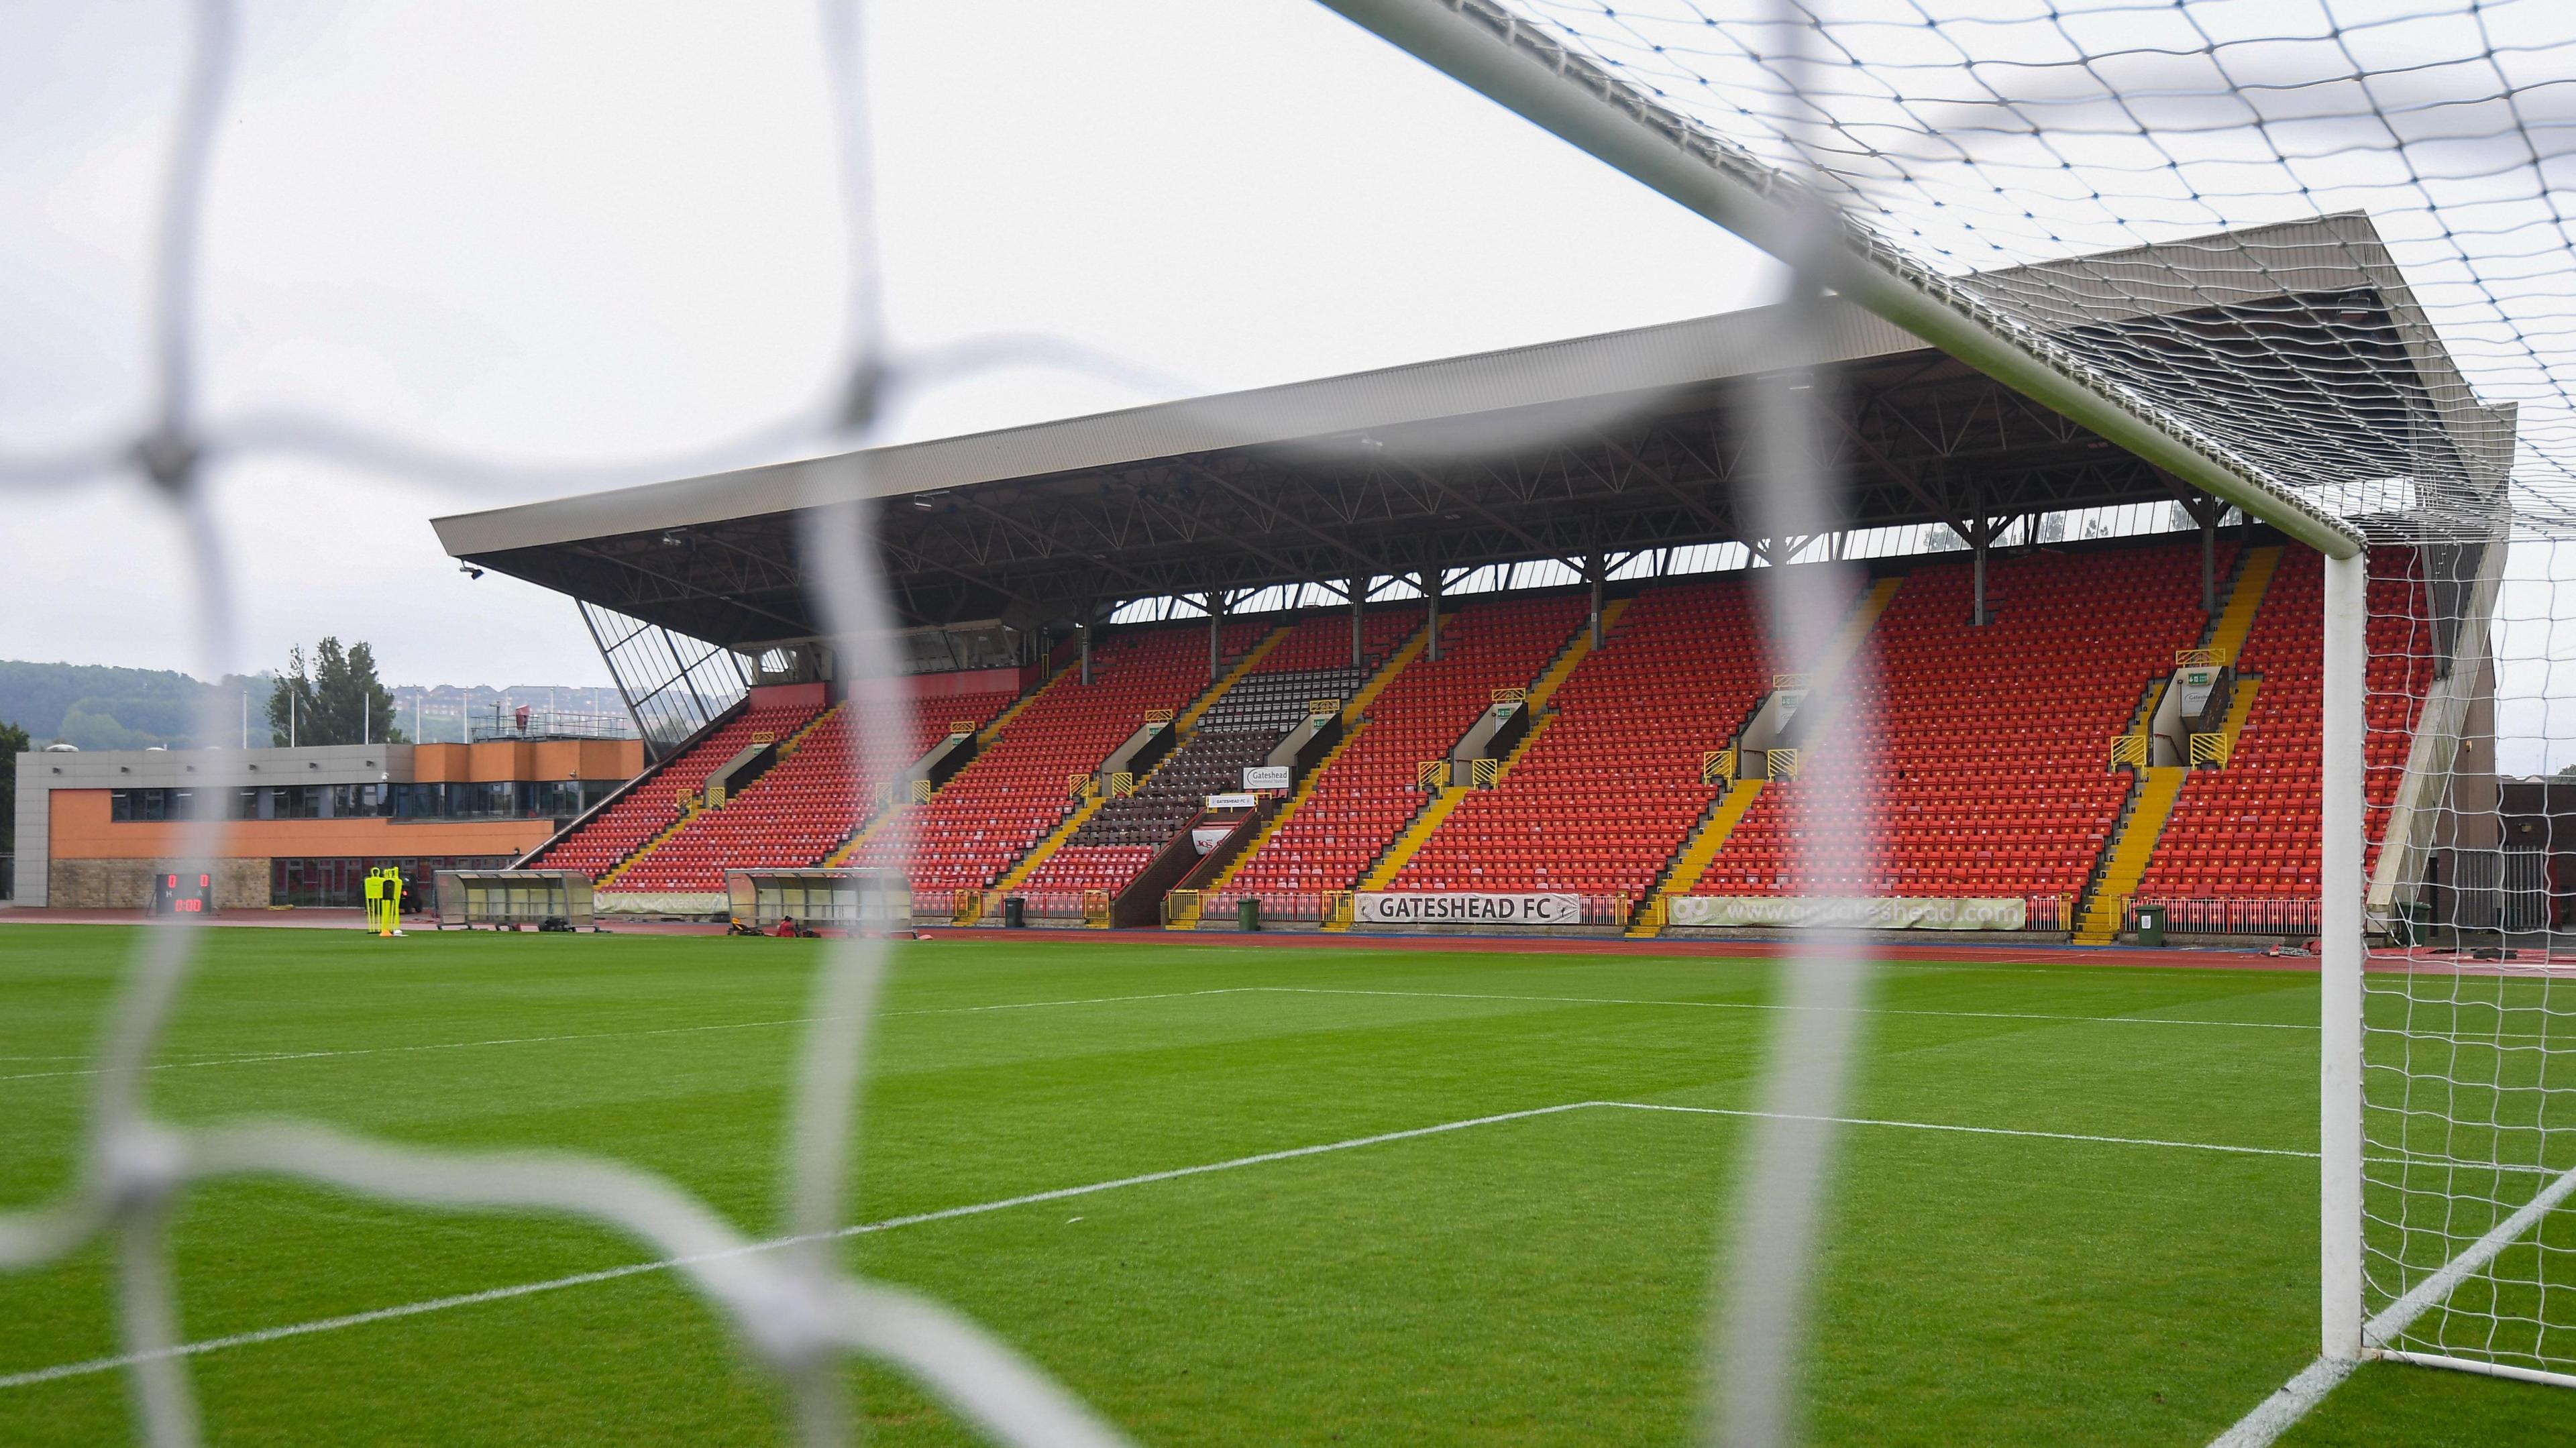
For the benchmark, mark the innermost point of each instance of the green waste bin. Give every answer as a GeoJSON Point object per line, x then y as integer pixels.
{"type": "Point", "coordinates": [1015, 912]}
{"type": "Point", "coordinates": [2151, 925]}
{"type": "Point", "coordinates": [1247, 912]}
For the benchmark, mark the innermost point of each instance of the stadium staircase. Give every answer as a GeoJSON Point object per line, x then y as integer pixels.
{"type": "Point", "coordinates": [643, 816]}
{"type": "Point", "coordinates": [1107, 867]}
{"type": "Point", "coordinates": [2242, 841]}
{"type": "Point", "coordinates": [2157, 788]}
{"type": "Point", "coordinates": [1015, 793]}
{"type": "Point", "coordinates": [1985, 776]}
{"type": "Point", "coordinates": [1370, 793]}
{"type": "Point", "coordinates": [1445, 800]}
{"type": "Point", "coordinates": [1354, 723]}
{"type": "Point", "coordinates": [1717, 822]}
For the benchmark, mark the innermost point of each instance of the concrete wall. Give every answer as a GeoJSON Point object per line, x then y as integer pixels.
{"type": "Point", "coordinates": [240, 884]}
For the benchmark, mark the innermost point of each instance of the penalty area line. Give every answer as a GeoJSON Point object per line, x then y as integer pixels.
{"type": "Point", "coordinates": [397, 1312]}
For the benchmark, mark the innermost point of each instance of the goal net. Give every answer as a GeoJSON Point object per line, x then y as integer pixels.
{"type": "Point", "coordinates": [2307, 258]}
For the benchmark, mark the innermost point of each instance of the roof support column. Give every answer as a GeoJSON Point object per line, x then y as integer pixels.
{"type": "Point", "coordinates": [1592, 571]}
{"type": "Point", "coordinates": [1216, 624]}
{"type": "Point", "coordinates": [1431, 595]}
{"type": "Point", "coordinates": [1085, 631]}
{"type": "Point", "coordinates": [1359, 602]}
{"type": "Point", "coordinates": [2209, 560]}
{"type": "Point", "coordinates": [1979, 540]}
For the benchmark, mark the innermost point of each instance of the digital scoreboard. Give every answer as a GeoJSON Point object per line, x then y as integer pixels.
{"type": "Point", "coordinates": [183, 894]}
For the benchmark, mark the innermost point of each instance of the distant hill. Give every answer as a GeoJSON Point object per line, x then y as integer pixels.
{"type": "Point", "coordinates": [100, 707]}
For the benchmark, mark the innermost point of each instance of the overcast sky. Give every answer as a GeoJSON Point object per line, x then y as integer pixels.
{"type": "Point", "coordinates": [578, 233]}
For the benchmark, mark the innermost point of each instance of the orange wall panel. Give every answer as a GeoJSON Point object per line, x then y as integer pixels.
{"type": "Point", "coordinates": [82, 830]}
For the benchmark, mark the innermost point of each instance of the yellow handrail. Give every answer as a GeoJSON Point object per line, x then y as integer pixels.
{"type": "Point", "coordinates": [2183, 658]}
{"type": "Point", "coordinates": [1785, 763]}
{"type": "Point", "coordinates": [1078, 784]}
{"type": "Point", "coordinates": [921, 790]}
{"type": "Point", "coordinates": [1715, 765]}
{"type": "Point", "coordinates": [1339, 907]}
{"type": "Point", "coordinates": [1181, 907]}
{"type": "Point", "coordinates": [1512, 695]}
{"type": "Point", "coordinates": [1122, 783]}
{"type": "Point", "coordinates": [1429, 773]}
{"type": "Point", "coordinates": [1158, 716]}
{"type": "Point", "coordinates": [962, 726]}
{"type": "Point", "coordinates": [2212, 749]}
{"type": "Point", "coordinates": [1788, 681]}
{"type": "Point", "coordinates": [1485, 772]}
{"type": "Point", "coordinates": [1323, 706]}
{"type": "Point", "coordinates": [2129, 749]}
{"type": "Point", "coordinates": [1095, 909]}
{"type": "Point", "coordinates": [966, 907]}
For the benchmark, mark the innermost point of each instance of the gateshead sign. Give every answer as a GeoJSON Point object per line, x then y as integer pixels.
{"type": "Point", "coordinates": [1381, 908]}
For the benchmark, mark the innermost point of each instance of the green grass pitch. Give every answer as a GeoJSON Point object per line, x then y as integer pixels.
{"type": "Point", "coordinates": [1540, 1280]}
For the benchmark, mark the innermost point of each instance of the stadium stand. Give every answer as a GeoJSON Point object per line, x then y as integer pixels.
{"type": "Point", "coordinates": [657, 802]}
{"type": "Point", "coordinates": [1014, 793]}
{"type": "Point", "coordinates": [1609, 789]}
{"type": "Point", "coordinates": [1356, 806]}
{"type": "Point", "coordinates": [805, 805]}
{"type": "Point", "coordinates": [1983, 746]}
{"type": "Point", "coordinates": [1236, 730]}
{"type": "Point", "coordinates": [2245, 835]}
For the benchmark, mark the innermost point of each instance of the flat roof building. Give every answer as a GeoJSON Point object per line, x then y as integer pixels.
{"type": "Point", "coordinates": [302, 826]}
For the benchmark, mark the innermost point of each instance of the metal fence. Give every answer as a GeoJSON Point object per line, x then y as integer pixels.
{"type": "Point", "coordinates": [2248, 916]}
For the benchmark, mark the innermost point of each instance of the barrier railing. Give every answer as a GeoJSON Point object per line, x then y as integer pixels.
{"type": "Point", "coordinates": [1484, 772]}
{"type": "Point", "coordinates": [1716, 765]}
{"type": "Point", "coordinates": [1653, 917]}
{"type": "Point", "coordinates": [2185, 658]}
{"type": "Point", "coordinates": [1122, 784]}
{"type": "Point", "coordinates": [1785, 763]}
{"type": "Point", "coordinates": [2282, 915]}
{"type": "Point", "coordinates": [1788, 681]}
{"type": "Point", "coordinates": [1095, 909]}
{"type": "Point", "coordinates": [1081, 784]}
{"type": "Point", "coordinates": [1513, 694]}
{"type": "Point", "coordinates": [1181, 907]}
{"type": "Point", "coordinates": [962, 726]}
{"type": "Point", "coordinates": [1338, 907]}
{"type": "Point", "coordinates": [1430, 774]}
{"type": "Point", "coordinates": [1318, 707]}
{"type": "Point", "coordinates": [2212, 749]}
{"type": "Point", "coordinates": [966, 907]}
{"type": "Point", "coordinates": [763, 736]}
{"type": "Point", "coordinates": [922, 789]}
{"type": "Point", "coordinates": [2048, 912]}
{"type": "Point", "coordinates": [1158, 716]}
{"type": "Point", "coordinates": [2129, 749]}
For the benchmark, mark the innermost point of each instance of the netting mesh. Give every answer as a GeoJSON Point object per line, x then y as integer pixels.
{"type": "Point", "coordinates": [2470, 1095]}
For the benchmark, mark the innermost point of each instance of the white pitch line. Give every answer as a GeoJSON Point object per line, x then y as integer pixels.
{"type": "Point", "coordinates": [2292, 1400]}
{"type": "Point", "coordinates": [1763, 1006]}
{"type": "Point", "coordinates": [1972, 1130]}
{"type": "Point", "coordinates": [34, 1376]}
{"type": "Point", "coordinates": [274, 1057]}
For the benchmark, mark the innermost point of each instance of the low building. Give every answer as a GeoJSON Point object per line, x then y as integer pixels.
{"type": "Point", "coordinates": [302, 826]}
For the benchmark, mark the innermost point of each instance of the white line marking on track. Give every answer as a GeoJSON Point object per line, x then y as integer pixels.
{"type": "Point", "coordinates": [32, 1377]}
{"type": "Point", "coordinates": [1762, 1006]}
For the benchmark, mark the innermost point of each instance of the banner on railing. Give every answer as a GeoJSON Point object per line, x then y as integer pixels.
{"type": "Point", "coordinates": [1381, 908]}
{"type": "Point", "coordinates": [1849, 913]}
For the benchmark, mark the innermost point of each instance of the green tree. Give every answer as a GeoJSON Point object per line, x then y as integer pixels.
{"type": "Point", "coordinates": [333, 699]}
{"type": "Point", "coordinates": [13, 742]}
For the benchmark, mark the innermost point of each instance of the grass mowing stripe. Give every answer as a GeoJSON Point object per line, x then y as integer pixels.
{"type": "Point", "coordinates": [1761, 1006]}
{"type": "Point", "coordinates": [92, 1366]}
{"type": "Point", "coordinates": [255, 1059]}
